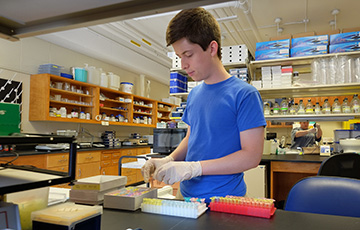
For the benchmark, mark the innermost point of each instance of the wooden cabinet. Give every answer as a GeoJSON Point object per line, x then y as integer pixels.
{"type": "Point", "coordinates": [88, 164]}
{"type": "Point", "coordinates": [284, 175]}
{"type": "Point", "coordinates": [143, 109]}
{"type": "Point", "coordinates": [116, 103]}
{"type": "Point", "coordinates": [49, 92]}
{"type": "Point", "coordinates": [164, 111]}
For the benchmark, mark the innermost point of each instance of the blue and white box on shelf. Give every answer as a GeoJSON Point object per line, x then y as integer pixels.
{"type": "Point", "coordinates": [345, 37]}
{"type": "Point", "coordinates": [344, 47]}
{"type": "Point", "coordinates": [301, 51]}
{"type": "Point", "coordinates": [277, 44]}
{"type": "Point", "coordinates": [271, 54]}
{"type": "Point", "coordinates": [310, 41]}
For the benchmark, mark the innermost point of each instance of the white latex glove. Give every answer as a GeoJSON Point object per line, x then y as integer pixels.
{"type": "Point", "coordinates": [313, 130]}
{"type": "Point", "coordinates": [151, 165]}
{"type": "Point", "coordinates": [176, 171]}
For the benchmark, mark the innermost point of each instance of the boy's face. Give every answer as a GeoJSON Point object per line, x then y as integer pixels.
{"type": "Point", "coordinates": [194, 60]}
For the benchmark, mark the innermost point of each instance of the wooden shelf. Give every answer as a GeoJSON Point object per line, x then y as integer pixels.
{"type": "Point", "coordinates": [164, 110]}
{"type": "Point", "coordinates": [70, 104]}
{"type": "Point", "coordinates": [148, 114]}
{"type": "Point", "coordinates": [143, 106]}
{"type": "Point", "coordinates": [311, 91]}
{"type": "Point", "coordinates": [313, 117]}
{"type": "Point", "coordinates": [116, 101]}
{"type": "Point", "coordinates": [115, 110]}
{"type": "Point", "coordinates": [66, 92]}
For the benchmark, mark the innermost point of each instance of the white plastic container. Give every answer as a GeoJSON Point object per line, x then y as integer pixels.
{"type": "Point", "coordinates": [104, 80]}
{"type": "Point", "coordinates": [126, 87]}
{"type": "Point", "coordinates": [93, 75]}
{"type": "Point", "coordinates": [114, 81]}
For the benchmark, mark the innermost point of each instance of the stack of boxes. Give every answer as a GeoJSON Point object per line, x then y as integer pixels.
{"type": "Point", "coordinates": [286, 76]}
{"type": "Point", "coordinates": [178, 83]}
{"type": "Point", "coordinates": [308, 46]}
{"type": "Point", "coordinates": [345, 42]}
{"type": "Point", "coordinates": [234, 54]}
{"type": "Point", "coordinates": [275, 77]}
{"type": "Point", "coordinates": [266, 77]}
{"type": "Point", "coordinates": [272, 49]}
{"type": "Point", "coordinates": [241, 73]}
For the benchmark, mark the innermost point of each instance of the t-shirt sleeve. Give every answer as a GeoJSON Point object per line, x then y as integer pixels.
{"type": "Point", "coordinates": [250, 111]}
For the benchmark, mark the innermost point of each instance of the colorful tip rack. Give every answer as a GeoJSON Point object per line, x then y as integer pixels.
{"type": "Point", "coordinates": [190, 208]}
{"type": "Point", "coordinates": [243, 205]}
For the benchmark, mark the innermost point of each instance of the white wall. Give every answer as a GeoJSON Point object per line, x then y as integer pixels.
{"type": "Point", "coordinates": [18, 60]}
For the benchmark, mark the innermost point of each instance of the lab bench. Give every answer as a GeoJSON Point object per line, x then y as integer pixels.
{"type": "Point", "coordinates": [282, 220]}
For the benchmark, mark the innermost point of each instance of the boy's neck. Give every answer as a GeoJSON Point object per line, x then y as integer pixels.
{"type": "Point", "coordinates": [218, 74]}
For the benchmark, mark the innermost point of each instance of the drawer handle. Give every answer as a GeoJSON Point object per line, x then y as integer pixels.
{"type": "Point", "coordinates": [116, 155]}
{"type": "Point", "coordinates": [63, 160]}
{"type": "Point", "coordinates": [106, 163]}
{"type": "Point", "coordinates": [89, 158]}
{"type": "Point", "coordinates": [106, 156]}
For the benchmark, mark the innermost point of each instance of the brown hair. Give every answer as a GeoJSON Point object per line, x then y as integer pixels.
{"type": "Point", "coordinates": [197, 25]}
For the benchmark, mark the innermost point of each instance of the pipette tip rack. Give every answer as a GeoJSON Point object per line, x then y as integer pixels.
{"type": "Point", "coordinates": [258, 207]}
{"type": "Point", "coordinates": [190, 208]}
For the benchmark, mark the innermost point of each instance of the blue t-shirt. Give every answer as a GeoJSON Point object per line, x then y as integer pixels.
{"type": "Point", "coordinates": [217, 114]}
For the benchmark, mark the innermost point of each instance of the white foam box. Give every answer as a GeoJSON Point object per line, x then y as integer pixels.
{"type": "Point", "coordinates": [100, 183]}
{"type": "Point", "coordinates": [68, 216]}
{"type": "Point", "coordinates": [176, 62]}
{"type": "Point", "coordinates": [234, 54]}
{"type": "Point", "coordinates": [129, 198]}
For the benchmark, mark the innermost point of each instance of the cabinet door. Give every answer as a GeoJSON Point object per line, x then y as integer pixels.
{"type": "Point", "coordinates": [57, 160]}
{"type": "Point", "coordinates": [142, 151]}
{"type": "Point", "coordinates": [86, 157]}
{"type": "Point", "coordinates": [112, 170]}
{"type": "Point", "coordinates": [87, 170]}
{"type": "Point", "coordinates": [128, 152]}
{"type": "Point", "coordinates": [38, 161]}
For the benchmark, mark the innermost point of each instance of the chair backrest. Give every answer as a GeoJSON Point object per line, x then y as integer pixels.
{"type": "Point", "coordinates": [343, 165]}
{"type": "Point", "coordinates": [325, 195]}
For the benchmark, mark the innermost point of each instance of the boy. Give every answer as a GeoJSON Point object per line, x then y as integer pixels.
{"type": "Point", "coordinates": [225, 118]}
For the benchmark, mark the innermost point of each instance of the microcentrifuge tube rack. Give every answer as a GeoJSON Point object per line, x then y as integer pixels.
{"type": "Point", "coordinates": [259, 207]}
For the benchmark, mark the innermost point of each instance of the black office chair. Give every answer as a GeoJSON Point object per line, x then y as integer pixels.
{"type": "Point", "coordinates": [342, 165]}
{"type": "Point", "coordinates": [325, 195]}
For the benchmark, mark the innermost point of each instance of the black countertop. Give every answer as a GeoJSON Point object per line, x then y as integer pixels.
{"type": "Point", "coordinates": [38, 152]}
{"type": "Point", "coordinates": [282, 220]}
{"type": "Point", "coordinates": [293, 158]}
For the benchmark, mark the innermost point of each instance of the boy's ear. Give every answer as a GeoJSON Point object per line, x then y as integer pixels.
{"type": "Point", "coordinates": [214, 46]}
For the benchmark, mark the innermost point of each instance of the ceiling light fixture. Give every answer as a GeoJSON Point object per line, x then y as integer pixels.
{"type": "Point", "coordinates": [334, 12]}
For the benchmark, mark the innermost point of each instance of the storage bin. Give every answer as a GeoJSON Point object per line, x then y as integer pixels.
{"type": "Point", "coordinates": [178, 76]}
{"type": "Point", "coordinates": [66, 75]}
{"type": "Point", "coordinates": [50, 68]}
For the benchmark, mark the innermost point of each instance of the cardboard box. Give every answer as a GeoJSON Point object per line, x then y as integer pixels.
{"type": "Point", "coordinates": [344, 47]}
{"type": "Point", "coordinates": [353, 29]}
{"type": "Point", "coordinates": [311, 150]}
{"type": "Point", "coordinates": [301, 51]}
{"type": "Point", "coordinates": [271, 54]}
{"type": "Point", "coordinates": [345, 37]}
{"type": "Point", "coordinates": [271, 45]}
{"type": "Point", "coordinates": [310, 41]}
{"type": "Point", "coordinates": [304, 34]}
{"type": "Point", "coordinates": [129, 198]}
{"type": "Point", "coordinates": [328, 32]}
{"type": "Point", "coordinates": [281, 37]}
{"type": "Point", "coordinates": [91, 197]}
